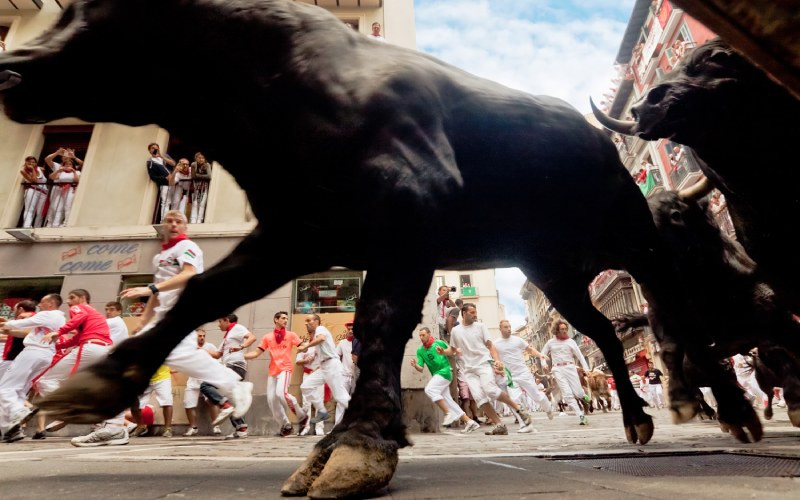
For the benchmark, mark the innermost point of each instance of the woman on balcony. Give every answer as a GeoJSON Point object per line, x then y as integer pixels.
{"type": "Point", "coordinates": [65, 176]}
{"type": "Point", "coordinates": [35, 183]}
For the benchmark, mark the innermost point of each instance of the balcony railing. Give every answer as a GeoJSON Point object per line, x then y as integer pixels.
{"type": "Point", "coordinates": [680, 168]}
{"type": "Point", "coordinates": [191, 199]}
{"type": "Point", "coordinates": [46, 204]}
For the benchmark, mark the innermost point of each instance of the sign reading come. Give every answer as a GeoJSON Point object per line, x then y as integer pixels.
{"type": "Point", "coordinates": [99, 258]}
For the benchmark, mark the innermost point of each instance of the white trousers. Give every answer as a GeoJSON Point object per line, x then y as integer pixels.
{"type": "Point", "coordinates": [482, 384]}
{"type": "Point", "coordinates": [280, 400]}
{"type": "Point", "coordinates": [163, 202]}
{"type": "Point", "coordinates": [329, 372]}
{"type": "Point", "coordinates": [34, 203]}
{"type": "Point", "coordinates": [60, 205]}
{"type": "Point", "coordinates": [199, 199]}
{"type": "Point", "coordinates": [750, 385]}
{"type": "Point", "coordinates": [16, 382]}
{"type": "Point", "coordinates": [163, 391]}
{"type": "Point", "coordinates": [78, 358]}
{"type": "Point", "coordinates": [438, 388]}
{"type": "Point", "coordinates": [193, 362]}
{"type": "Point", "coordinates": [656, 392]}
{"type": "Point", "coordinates": [180, 197]}
{"type": "Point", "coordinates": [570, 386]}
{"type": "Point", "coordinates": [527, 383]}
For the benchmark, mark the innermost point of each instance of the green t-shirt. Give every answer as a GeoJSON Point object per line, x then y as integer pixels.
{"type": "Point", "coordinates": [437, 363]}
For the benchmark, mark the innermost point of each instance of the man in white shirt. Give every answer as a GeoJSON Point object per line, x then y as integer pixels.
{"type": "Point", "coordinates": [33, 360]}
{"type": "Point", "coordinates": [329, 372]}
{"type": "Point", "coordinates": [310, 363]}
{"type": "Point", "coordinates": [344, 349]}
{"type": "Point", "coordinates": [563, 351]}
{"type": "Point", "coordinates": [191, 395]}
{"type": "Point", "coordinates": [481, 363]}
{"type": "Point", "coordinates": [237, 338]}
{"type": "Point", "coordinates": [511, 349]}
{"type": "Point", "coordinates": [116, 326]}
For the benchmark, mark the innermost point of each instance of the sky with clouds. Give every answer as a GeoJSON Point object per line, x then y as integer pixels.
{"type": "Point", "coordinates": [563, 48]}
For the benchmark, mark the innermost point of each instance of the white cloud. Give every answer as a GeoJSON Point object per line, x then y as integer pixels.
{"type": "Point", "coordinates": [563, 48]}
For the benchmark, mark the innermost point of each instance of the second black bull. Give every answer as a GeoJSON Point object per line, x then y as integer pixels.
{"type": "Point", "coordinates": [398, 140]}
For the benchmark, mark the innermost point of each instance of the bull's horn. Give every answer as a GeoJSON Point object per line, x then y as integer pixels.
{"type": "Point", "coordinates": [9, 79]}
{"type": "Point", "coordinates": [620, 126]}
{"type": "Point", "coordinates": [697, 191]}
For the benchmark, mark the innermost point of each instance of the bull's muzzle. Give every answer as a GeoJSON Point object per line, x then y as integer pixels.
{"type": "Point", "coordinates": [9, 79]}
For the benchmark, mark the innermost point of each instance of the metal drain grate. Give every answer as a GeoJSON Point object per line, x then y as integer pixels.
{"type": "Point", "coordinates": [716, 464]}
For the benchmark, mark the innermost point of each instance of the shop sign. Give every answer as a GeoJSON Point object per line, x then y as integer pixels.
{"type": "Point", "coordinates": [631, 353]}
{"type": "Point", "coordinates": [111, 257]}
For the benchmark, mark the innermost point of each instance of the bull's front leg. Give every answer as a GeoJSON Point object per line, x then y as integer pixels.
{"type": "Point", "coordinates": [359, 456]}
{"type": "Point", "coordinates": [786, 368]}
{"type": "Point", "coordinates": [106, 388]}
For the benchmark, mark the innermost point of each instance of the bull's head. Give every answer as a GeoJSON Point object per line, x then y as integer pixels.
{"type": "Point", "coordinates": [704, 95]}
{"type": "Point", "coordinates": [130, 61]}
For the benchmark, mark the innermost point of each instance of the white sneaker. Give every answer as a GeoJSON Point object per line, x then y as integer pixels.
{"type": "Point", "coordinates": [217, 431]}
{"type": "Point", "coordinates": [224, 413]}
{"type": "Point", "coordinates": [449, 418]}
{"type": "Point", "coordinates": [103, 437]}
{"type": "Point", "coordinates": [319, 428]}
{"type": "Point", "coordinates": [305, 430]}
{"type": "Point", "coordinates": [191, 432]}
{"type": "Point", "coordinates": [19, 418]}
{"type": "Point", "coordinates": [471, 426]}
{"type": "Point", "coordinates": [241, 398]}
{"type": "Point", "coordinates": [526, 429]}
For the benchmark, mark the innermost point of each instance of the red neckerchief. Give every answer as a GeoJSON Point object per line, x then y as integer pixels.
{"type": "Point", "coordinates": [349, 337]}
{"type": "Point", "coordinates": [173, 241]}
{"type": "Point", "coordinates": [279, 334]}
{"type": "Point", "coordinates": [230, 327]}
{"type": "Point", "coordinates": [429, 344]}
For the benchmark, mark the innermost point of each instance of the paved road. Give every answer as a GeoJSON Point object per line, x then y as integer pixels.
{"type": "Point", "coordinates": [447, 465]}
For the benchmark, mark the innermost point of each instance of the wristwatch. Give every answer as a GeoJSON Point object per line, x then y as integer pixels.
{"type": "Point", "coordinates": [153, 288]}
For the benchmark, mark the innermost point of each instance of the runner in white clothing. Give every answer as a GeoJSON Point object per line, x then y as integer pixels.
{"type": "Point", "coordinates": [116, 326]}
{"type": "Point", "coordinates": [563, 351]}
{"type": "Point", "coordinates": [179, 260]}
{"type": "Point", "coordinates": [34, 358]}
{"type": "Point", "coordinates": [191, 395]}
{"type": "Point", "coordinates": [329, 372]}
{"type": "Point", "coordinates": [481, 363]}
{"type": "Point", "coordinates": [511, 349]}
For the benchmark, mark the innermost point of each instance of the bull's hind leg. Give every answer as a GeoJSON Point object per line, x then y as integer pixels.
{"type": "Point", "coordinates": [108, 387]}
{"type": "Point", "coordinates": [786, 367]}
{"type": "Point", "coordinates": [360, 455]}
{"type": "Point", "coordinates": [571, 299]}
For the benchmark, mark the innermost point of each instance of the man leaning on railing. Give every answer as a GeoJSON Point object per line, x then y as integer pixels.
{"type": "Point", "coordinates": [35, 184]}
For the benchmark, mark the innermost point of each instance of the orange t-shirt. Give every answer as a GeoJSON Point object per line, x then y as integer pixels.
{"type": "Point", "coordinates": [280, 354]}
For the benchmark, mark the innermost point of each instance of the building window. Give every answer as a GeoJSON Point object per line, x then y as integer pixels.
{"type": "Point", "coordinates": [134, 307]}
{"type": "Point", "coordinates": [3, 34]}
{"type": "Point", "coordinates": [439, 282]}
{"type": "Point", "coordinates": [48, 202]}
{"type": "Point", "coordinates": [327, 292]}
{"type": "Point", "coordinates": [16, 290]}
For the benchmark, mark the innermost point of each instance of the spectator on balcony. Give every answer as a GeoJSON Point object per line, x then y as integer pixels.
{"type": "Point", "coordinates": [376, 32]}
{"type": "Point", "coordinates": [35, 183]}
{"type": "Point", "coordinates": [201, 179]}
{"type": "Point", "coordinates": [159, 169]}
{"type": "Point", "coordinates": [180, 183]}
{"type": "Point", "coordinates": [676, 157]}
{"type": "Point", "coordinates": [719, 209]}
{"type": "Point", "coordinates": [65, 176]}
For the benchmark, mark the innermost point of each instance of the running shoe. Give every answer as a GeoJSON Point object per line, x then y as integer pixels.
{"type": "Point", "coordinates": [103, 437]}
{"type": "Point", "coordinates": [302, 424]}
{"type": "Point", "coordinates": [217, 431]}
{"type": "Point", "coordinates": [55, 426]}
{"type": "Point", "coordinates": [449, 418]}
{"type": "Point", "coordinates": [526, 429]}
{"type": "Point", "coordinates": [13, 437]}
{"type": "Point", "coordinates": [471, 427]}
{"type": "Point", "coordinates": [321, 416]}
{"type": "Point", "coordinates": [498, 430]}
{"type": "Point", "coordinates": [584, 420]}
{"type": "Point", "coordinates": [167, 432]}
{"type": "Point", "coordinates": [224, 412]}
{"type": "Point", "coordinates": [139, 431]}
{"type": "Point", "coordinates": [526, 417]}
{"type": "Point", "coordinates": [193, 431]}
{"type": "Point", "coordinates": [40, 435]}
{"type": "Point", "coordinates": [19, 418]}
{"type": "Point", "coordinates": [286, 430]}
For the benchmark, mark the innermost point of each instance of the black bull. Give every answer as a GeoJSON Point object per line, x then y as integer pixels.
{"type": "Point", "coordinates": [397, 139]}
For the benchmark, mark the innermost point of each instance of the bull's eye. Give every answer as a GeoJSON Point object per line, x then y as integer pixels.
{"type": "Point", "coordinates": [656, 95]}
{"type": "Point", "coordinates": [675, 216]}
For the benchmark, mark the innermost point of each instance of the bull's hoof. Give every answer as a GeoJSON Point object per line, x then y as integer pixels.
{"type": "Point", "coordinates": [739, 428]}
{"type": "Point", "coordinates": [344, 465]}
{"type": "Point", "coordinates": [683, 411]}
{"type": "Point", "coordinates": [93, 394]}
{"type": "Point", "coordinates": [640, 429]}
{"type": "Point", "coordinates": [300, 481]}
{"type": "Point", "coordinates": [794, 416]}
{"type": "Point", "coordinates": [354, 472]}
